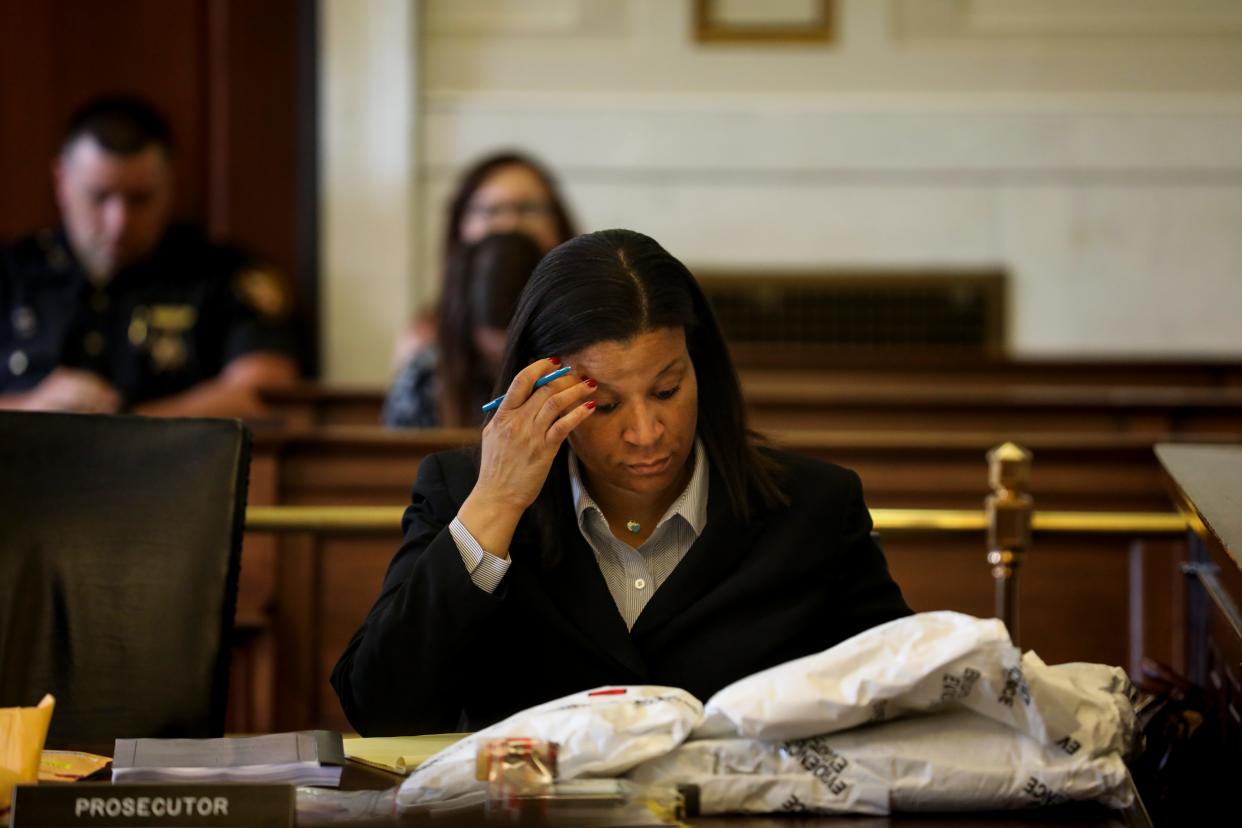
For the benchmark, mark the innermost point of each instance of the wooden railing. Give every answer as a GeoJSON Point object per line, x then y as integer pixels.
{"type": "Point", "coordinates": [387, 519]}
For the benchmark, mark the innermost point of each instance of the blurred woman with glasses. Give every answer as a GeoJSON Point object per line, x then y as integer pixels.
{"type": "Point", "coordinates": [507, 192]}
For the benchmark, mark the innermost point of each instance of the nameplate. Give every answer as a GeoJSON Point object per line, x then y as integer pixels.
{"type": "Point", "coordinates": [87, 804]}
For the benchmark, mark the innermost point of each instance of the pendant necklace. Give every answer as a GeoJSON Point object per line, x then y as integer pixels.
{"type": "Point", "coordinates": [634, 526]}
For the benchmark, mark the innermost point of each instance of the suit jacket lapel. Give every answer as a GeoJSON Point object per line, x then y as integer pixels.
{"type": "Point", "coordinates": [577, 588]}
{"type": "Point", "coordinates": [710, 559]}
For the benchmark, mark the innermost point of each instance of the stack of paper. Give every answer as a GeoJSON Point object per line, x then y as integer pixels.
{"type": "Point", "coordinates": [69, 765]}
{"type": "Point", "coordinates": [399, 754]}
{"type": "Point", "coordinates": [309, 757]}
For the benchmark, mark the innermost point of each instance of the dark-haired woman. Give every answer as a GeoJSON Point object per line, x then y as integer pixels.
{"type": "Point", "coordinates": [506, 192]}
{"type": "Point", "coordinates": [445, 384]}
{"type": "Point", "coordinates": [618, 525]}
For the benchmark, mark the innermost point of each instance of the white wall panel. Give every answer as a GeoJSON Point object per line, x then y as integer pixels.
{"type": "Point", "coordinates": [518, 18]}
{"type": "Point", "coordinates": [1132, 270]}
{"type": "Point", "coordinates": [744, 135]}
{"type": "Point", "coordinates": [368, 228]}
{"type": "Point", "coordinates": [1080, 18]}
{"type": "Point", "coordinates": [1117, 217]}
{"type": "Point", "coordinates": [1093, 148]}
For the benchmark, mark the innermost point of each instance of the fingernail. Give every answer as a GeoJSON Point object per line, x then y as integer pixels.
{"type": "Point", "coordinates": [555, 360]}
{"type": "Point", "coordinates": [590, 404]}
{"type": "Point", "coordinates": [591, 383]}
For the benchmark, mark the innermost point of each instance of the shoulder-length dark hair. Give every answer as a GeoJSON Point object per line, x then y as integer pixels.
{"type": "Point", "coordinates": [472, 179]}
{"type": "Point", "coordinates": [486, 279]}
{"type": "Point", "coordinates": [612, 286]}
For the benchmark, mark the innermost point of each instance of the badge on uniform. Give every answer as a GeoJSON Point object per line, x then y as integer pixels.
{"type": "Point", "coordinates": [263, 291]}
{"type": "Point", "coordinates": [162, 330]}
{"type": "Point", "coordinates": [25, 323]}
{"type": "Point", "coordinates": [18, 363]}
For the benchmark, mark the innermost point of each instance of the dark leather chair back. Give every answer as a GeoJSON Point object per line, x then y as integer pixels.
{"type": "Point", "coordinates": [120, 540]}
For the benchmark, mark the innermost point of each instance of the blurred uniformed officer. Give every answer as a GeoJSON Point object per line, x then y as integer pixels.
{"type": "Point", "coordinates": [119, 310]}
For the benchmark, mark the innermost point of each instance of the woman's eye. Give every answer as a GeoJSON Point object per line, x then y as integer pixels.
{"type": "Point", "coordinates": [608, 408]}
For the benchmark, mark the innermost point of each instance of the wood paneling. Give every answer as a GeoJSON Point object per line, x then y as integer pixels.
{"type": "Point", "coordinates": [27, 116]}
{"type": "Point", "coordinates": [231, 77]}
{"type": "Point", "coordinates": [62, 53]}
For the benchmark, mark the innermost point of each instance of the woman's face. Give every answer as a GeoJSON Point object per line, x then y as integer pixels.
{"type": "Point", "coordinates": [511, 199]}
{"type": "Point", "coordinates": [641, 435]}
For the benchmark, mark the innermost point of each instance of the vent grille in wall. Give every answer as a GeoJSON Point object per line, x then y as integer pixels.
{"type": "Point", "coordinates": [879, 313]}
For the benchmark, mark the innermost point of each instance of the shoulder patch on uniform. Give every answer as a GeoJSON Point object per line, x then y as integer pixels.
{"type": "Point", "coordinates": [263, 290]}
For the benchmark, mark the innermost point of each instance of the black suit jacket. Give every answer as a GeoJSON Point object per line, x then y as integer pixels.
{"type": "Point", "coordinates": [436, 653]}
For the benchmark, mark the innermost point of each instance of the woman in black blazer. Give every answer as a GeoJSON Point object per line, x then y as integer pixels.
{"type": "Point", "coordinates": [618, 525]}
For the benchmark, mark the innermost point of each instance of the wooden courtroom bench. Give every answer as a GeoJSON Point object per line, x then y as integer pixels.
{"type": "Point", "coordinates": [315, 587]}
{"type": "Point", "coordinates": [790, 400]}
{"type": "Point", "coordinates": [803, 399]}
{"type": "Point", "coordinates": [930, 367]}
{"type": "Point", "coordinates": [776, 366]}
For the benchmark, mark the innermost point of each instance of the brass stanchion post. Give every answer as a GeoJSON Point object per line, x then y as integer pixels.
{"type": "Point", "coordinates": [1009, 508]}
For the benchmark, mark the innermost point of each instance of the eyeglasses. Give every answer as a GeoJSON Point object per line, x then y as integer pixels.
{"type": "Point", "coordinates": [520, 210]}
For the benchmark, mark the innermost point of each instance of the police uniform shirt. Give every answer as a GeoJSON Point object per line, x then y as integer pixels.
{"type": "Point", "coordinates": [156, 328]}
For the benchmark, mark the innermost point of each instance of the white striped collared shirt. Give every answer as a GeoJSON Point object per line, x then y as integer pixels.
{"type": "Point", "coordinates": [632, 575]}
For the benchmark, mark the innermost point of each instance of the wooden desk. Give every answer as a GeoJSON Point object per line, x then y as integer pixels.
{"type": "Point", "coordinates": [1077, 814]}
{"type": "Point", "coordinates": [1086, 815]}
{"type": "Point", "coordinates": [1206, 484]}
{"type": "Point", "coordinates": [359, 777]}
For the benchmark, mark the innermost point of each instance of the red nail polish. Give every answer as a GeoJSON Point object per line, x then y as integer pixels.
{"type": "Point", "coordinates": [591, 383]}
{"type": "Point", "coordinates": [590, 404]}
{"type": "Point", "coordinates": [555, 360]}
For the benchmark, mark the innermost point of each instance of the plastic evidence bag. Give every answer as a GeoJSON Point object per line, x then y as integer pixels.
{"type": "Point", "coordinates": [600, 733]}
{"type": "Point", "coordinates": [925, 663]}
{"type": "Point", "coordinates": [946, 761]}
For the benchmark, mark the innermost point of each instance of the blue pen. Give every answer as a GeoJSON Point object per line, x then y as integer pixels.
{"type": "Point", "coordinates": [539, 383]}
